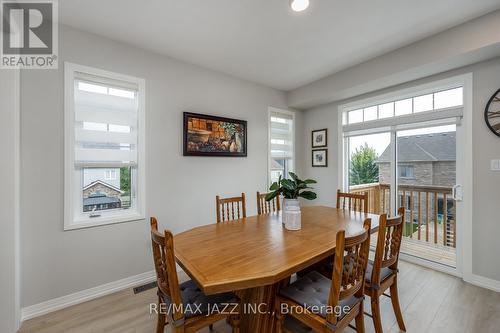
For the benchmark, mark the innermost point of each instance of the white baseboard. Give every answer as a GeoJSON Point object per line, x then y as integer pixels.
{"type": "Point", "coordinates": [474, 279]}
{"type": "Point", "coordinates": [59, 303]}
{"type": "Point", "coordinates": [484, 282]}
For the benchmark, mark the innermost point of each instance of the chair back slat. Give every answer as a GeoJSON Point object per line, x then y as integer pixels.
{"type": "Point", "coordinates": [230, 208]}
{"type": "Point", "coordinates": [349, 267]}
{"type": "Point", "coordinates": [353, 201]}
{"type": "Point", "coordinates": [266, 207]}
{"type": "Point", "coordinates": [388, 244]}
{"type": "Point", "coordinates": [164, 261]}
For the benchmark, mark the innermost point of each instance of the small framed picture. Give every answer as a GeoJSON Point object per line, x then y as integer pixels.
{"type": "Point", "coordinates": [319, 138]}
{"type": "Point", "coordinates": [320, 158]}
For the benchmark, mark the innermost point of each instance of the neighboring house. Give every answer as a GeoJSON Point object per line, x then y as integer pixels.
{"type": "Point", "coordinates": [99, 201]}
{"type": "Point", "coordinates": [99, 195]}
{"type": "Point", "coordinates": [109, 175]}
{"type": "Point", "coordinates": [422, 160]}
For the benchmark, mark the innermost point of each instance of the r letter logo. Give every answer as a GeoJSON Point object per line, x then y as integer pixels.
{"type": "Point", "coordinates": [29, 34]}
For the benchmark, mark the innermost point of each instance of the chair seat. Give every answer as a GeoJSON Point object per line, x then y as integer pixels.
{"type": "Point", "coordinates": [196, 303]}
{"type": "Point", "coordinates": [384, 273]}
{"type": "Point", "coordinates": [312, 291]}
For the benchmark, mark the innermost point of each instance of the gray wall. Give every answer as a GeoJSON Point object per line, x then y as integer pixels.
{"type": "Point", "coordinates": [9, 140]}
{"type": "Point", "coordinates": [180, 190]}
{"type": "Point", "coordinates": [486, 146]}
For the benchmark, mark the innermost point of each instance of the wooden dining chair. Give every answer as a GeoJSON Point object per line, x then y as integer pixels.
{"type": "Point", "coordinates": [327, 305]}
{"type": "Point", "coordinates": [266, 207]}
{"type": "Point", "coordinates": [185, 305]}
{"type": "Point", "coordinates": [352, 201]}
{"type": "Point", "coordinates": [226, 208]}
{"type": "Point", "coordinates": [345, 201]}
{"type": "Point", "coordinates": [382, 272]}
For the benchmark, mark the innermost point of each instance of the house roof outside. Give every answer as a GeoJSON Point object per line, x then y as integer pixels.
{"type": "Point", "coordinates": [275, 165]}
{"type": "Point", "coordinates": [104, 184]}
{"type": "Point", "coordinates": [424, 148]}
{"type": "Point", "coordinates": [99, 198]}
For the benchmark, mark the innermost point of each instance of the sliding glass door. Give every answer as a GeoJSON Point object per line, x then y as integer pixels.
{"type": "Point", "coordinates": [403, 153]}
{"type": "Point", "coordinates": [426, 176]}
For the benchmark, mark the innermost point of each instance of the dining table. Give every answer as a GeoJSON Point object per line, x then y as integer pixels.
{"type": "Point", "coordinates": [253, 256]}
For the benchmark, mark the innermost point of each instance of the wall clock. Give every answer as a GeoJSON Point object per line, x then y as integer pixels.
{"type": "Point", "coordinates": [492, 113]}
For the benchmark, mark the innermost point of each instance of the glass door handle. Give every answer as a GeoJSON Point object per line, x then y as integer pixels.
{"type": "Point", "coordinates": [457, 192]}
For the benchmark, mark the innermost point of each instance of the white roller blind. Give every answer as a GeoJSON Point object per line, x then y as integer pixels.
{"type": "Point", "coordinates": [281, 135]}
{"type": "Point", "coordinates": [106, 120]}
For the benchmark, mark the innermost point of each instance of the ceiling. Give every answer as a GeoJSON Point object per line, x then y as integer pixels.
{"type": "Point", "coordinates": [263, 40]}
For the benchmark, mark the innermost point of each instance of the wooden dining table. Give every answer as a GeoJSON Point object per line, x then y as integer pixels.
{"type": "Point", "coordinates": [253, 255]}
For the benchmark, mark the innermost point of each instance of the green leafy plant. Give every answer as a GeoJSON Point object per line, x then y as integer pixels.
{"type": "Point", "coordinates": [364, 169]}
{"type": "Point", "coordinates": [292, 188]}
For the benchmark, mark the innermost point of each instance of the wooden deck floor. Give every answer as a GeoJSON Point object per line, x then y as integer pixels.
{"type": "Point", "coordinates": [431, 302]}
{"type": "Point", "coordinates": [438, 253]}
{"type": "Point", "coordinates": [434, 252]}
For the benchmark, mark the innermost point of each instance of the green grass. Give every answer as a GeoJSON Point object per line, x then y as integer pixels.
{"type": "Point", "coordinates": [409, 229]}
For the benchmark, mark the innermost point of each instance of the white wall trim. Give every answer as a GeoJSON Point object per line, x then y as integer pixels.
{"type": "Point", "coordinates": [59, 303]}
{"type": "Point", "coordinates": [485, 282]}
{"type": "Point", "coordinates": [17, 197]}
{"type": "Point", "coordinates": [474, 279]}
{"type": "Point", "coordinates": [464, 261]}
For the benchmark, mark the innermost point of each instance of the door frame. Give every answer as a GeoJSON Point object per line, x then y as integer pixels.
{"type": "Point", "coordinates": [464, 164]}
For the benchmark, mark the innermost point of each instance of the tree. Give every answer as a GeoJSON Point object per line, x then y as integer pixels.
{"type": "Point", "coordinates": [125, 180]}
{"type": "Point", "coordinates": [363, 168]}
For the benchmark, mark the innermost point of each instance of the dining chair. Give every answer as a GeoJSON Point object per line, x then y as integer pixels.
{"type": "Point", "coordinates": [185, 305]}
{"type": "Point", "coordinates": [382, 272]}
{"type": "Point", "coordinates": [327, 305]}
{"type": "Point", "coordinates": [352, 201]}
{"type": "Point", "coordinates": [345, 201]}
{"type": "Point", "coordinates": [226, 208]}
{"type": "Point", "coordinates": [266, 207]}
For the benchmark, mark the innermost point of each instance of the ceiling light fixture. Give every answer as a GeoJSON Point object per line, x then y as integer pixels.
{"type": "Point", "coordinates": [299, 5]}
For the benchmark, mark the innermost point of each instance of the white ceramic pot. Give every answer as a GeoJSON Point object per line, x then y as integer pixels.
{"type": "Point", "coordinates": [291, 214]}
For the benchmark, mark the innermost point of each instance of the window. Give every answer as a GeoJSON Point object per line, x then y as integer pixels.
{"type": "Point", "coordinates": [110, 174]}
{"type": "Point", "coordinates": [406, 171]}
{"type": "Point", "coordinates": [281, 146]}
{"type": "Point", "coordinates": [104, 140]}
{"type": "Point", "coordinates": [435, 101]}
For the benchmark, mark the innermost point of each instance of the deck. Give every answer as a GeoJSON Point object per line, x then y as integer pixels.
{"type": "Point", "coordinates": [431, 212]}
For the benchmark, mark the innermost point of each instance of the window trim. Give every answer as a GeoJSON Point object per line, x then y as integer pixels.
{"type": "Point", "coordinates": [71, 181]}
{"type": "Point", "coordinates": [112, 174]}
{"type": "Point", "coordinates": [270, 110]}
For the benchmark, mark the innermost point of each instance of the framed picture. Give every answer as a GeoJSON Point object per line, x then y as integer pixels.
{"type": "Point", "coordinates": [320, 158]}
{"type": "Point", "coordinates": [206, 135]}
{"type": "Point", "coordinates": [319, 138]}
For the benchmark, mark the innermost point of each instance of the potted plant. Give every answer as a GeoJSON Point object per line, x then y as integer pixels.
{"type": "Point", "coordinates": [291, 190]}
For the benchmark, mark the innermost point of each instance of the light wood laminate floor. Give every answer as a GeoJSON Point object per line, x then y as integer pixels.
{"type": "Point", "coordinates": [431, 302]}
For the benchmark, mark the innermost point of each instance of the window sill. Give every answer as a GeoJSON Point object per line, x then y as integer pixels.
{"type": "Point", "coordinates": [83, 223]}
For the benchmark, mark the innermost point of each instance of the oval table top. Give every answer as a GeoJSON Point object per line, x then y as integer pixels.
{"type": "Point", "coordinates": [258, 251]}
